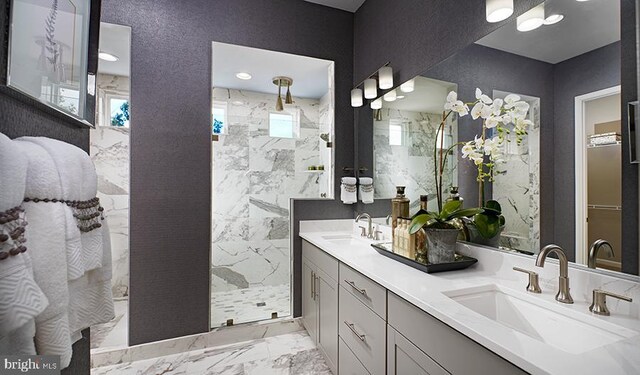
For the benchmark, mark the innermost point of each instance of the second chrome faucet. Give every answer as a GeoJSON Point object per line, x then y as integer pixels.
{"type": "Point", "coordinates": [563, 294]}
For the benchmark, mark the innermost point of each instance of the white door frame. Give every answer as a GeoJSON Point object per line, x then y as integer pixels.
{"type": "Point", "coordinates": [581, 167]}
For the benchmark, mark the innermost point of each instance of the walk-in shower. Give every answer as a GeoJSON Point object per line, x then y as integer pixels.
{"type": "Point", "coordinates": [265, 152]}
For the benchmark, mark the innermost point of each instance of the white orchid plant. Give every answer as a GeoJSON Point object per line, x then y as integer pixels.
{"type": "Point", "coordinates": [486, 152]}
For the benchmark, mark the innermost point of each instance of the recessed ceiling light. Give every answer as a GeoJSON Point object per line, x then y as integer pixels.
{"type": "Point", "coordinates": [243, 75]}
{"type": "Point", "coordinates": [107, 56]}
{"type": "Point", "coordinates": [554, 18]}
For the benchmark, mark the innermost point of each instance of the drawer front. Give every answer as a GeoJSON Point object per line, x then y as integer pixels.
{"type": "Point", "coordinates": [348, 363]}
{"type": "Point", "coordinates": [363, 331]}
{"type": "Point", "coordinates": [322, 260]}
{"type": "Point", "coordinates": [444, 344]}
{"type": "Point", "coordinates": [365, 290]}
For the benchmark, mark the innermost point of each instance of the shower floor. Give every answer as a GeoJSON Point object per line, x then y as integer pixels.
{"type": "Point", "coordinates": [250, 304]}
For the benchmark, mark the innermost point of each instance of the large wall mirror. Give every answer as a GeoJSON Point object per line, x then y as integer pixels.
{"type": "Point", "coordinates": [570, 181]}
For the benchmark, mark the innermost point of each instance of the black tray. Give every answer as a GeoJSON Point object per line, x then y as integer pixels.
{"type": "Point", "coordinates": [460, 262]}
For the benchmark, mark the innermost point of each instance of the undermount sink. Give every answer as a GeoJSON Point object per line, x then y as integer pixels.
{"type": "Point", "coordinates": [554, 325]}
{"type": "Point", "coordinates": [342, 239]}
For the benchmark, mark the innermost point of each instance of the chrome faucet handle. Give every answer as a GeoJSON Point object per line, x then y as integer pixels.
{"type": "Point", "coordinates": [534, 285]}
{"type": "Point", "coordinates": [376, 235]}
{"type": "Point", "coordinates": [363, 231]}
{"type": "Point", "coordinates": [599, 303]}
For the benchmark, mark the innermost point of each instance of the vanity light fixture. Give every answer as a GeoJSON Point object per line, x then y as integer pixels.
{"type": "Point", "coordinates": [376, 104]}
{"type": "Point", "coordinates": [370, 88]}
{"type": "Point", "coordinates": [107, 56]}
{"type": "Point", "coordinates": [390, 96]}
{"type": "Point", "coordinates": [356, 98]}
{"type": "Point", "coordinates": [282, 81]}
{"type": "Point", "coordinates": [385, 77]}
{"type": "Point", "coordinates": [399, 97]}
{"type": "Point", "coordinates": [243, 75]}
{"type": "Point", "coordinates": [553, 19]}
{"type": "Point", "coordinates": [499, 10]}
{"type": "Point", "coordinates": [532, 19]}
{"type": "Point", "coordinates": [408, 86]}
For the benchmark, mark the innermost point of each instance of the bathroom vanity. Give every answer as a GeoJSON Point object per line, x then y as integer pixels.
{"type": "Point", "coordinates": [371, 314]}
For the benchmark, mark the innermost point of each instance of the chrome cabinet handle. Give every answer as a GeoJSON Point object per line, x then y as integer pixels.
{"type": "Point", "coordinates": [353, 329]}
{"type": "Point", "coordinates": [313, 286]}
{"type": "Point", "coordinates": [353, 285]}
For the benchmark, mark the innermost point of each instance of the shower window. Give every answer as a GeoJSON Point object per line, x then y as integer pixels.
{"type": "Point", "coordinates": [395, 132]}
{"type": "Point", "coordinates": [219, 114]}
{"type": "Point", "coordinates": [284, 124]}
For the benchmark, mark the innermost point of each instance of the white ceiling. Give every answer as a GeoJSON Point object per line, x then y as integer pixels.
{"type": "Point", "coordinates": [310, 75]}
{"type": "Point", "coordinates": [586, 26]}
{"type": "Point", "coordinates": [348, 5]}
{"type": "Point", "coordinates": [116, 40]}
{"type": "Point", "coordinates": [429, 95]}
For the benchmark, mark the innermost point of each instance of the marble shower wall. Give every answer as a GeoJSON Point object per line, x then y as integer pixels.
{"type": "Point", "coordinates": [518, 188]}
{"type": "Point", "coordinates": [409, 164]}
{"type": "Point", "coordinates": [109, 150]}
{"type": "Point", "coordinates": [254, 177]}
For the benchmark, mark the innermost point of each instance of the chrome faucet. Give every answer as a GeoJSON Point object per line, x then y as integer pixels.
{"type": "Point", "coordinates": [370, 228]}
{"type": "Point", "coordinates": [563, 294]}
{"type": "Point", "coordinates": [595, 248]}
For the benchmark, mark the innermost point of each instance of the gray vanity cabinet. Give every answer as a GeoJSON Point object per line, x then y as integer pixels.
{"type": "Point", "coordinates": [320, 301]}
{"type": "Point", "coordinates": [405, 358]}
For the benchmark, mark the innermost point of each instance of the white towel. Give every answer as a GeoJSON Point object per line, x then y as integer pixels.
{"type": "Point", "coordinates": [366, 190]}
{"type": "Point", "coordinates": [348, 190]}
{"type": "Point", "coordinates": [47, 246]}
{"type": "Point", "coordinates": [78, 179]}
{"type": "Point", "coordinates": [21, 299]}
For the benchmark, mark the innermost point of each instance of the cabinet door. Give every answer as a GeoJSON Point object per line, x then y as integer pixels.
{"type": "Point", "coordinates": [328, 319]}
{"type": "Point", "coordinates": [309, 308]}
{"type": "Point", "coordinates": [404, 358]}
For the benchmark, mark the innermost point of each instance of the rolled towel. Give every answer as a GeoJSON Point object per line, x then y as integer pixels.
{"type": "Point", "coordinates": [47, 246]}
{"type": "Point", "coordinates": [366, 189]}
{"type": "Point", "coordinates": [348, 190]}
{"type": "Point", "coordinates": [21, 299]}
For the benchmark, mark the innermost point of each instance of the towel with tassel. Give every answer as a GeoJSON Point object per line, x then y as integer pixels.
{"type": "Point", "coordinates": [348, 190]}
{"type": "Point", "coordinates": [90, 296]}
{"type": "Point", "coordinates": [366, 189]}
{"type": "Point", "coordinates": [47, 247]}
{"type": "Point", "coordinates": [21, 299]}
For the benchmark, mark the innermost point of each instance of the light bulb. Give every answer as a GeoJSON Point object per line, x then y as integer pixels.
{"type": "Point", "coordinates": [499, 10]}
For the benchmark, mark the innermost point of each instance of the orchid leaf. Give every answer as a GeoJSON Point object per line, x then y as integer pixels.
{"type": "Point", "coordinates": [488, 225]}
{"type": "Point", "coordinates": [420, 221]}
{"type": "Point", "coordinates": [494, 205]}
{"type": "Point", "coordinates": [467, 212]}
{"type": "Point", "coordinates": [449, 208]}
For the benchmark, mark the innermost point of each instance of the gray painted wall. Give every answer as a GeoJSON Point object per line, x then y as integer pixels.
{"type": "Point", "coordinates": [170, 138]}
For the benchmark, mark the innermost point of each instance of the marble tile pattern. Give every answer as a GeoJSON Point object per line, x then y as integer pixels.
{"type": "Point", "coordinates": [517, 188]}
{"type": "Point", "coordinates": [293, 353]}
{"type": "Point", "coordinates": [250, 304]}
{"type": "Point", "coordinates": [109, 150]}
{"type": "Point", "coordinates": [113, 334]}
{"type": "Point", "coordinates": [102, 357]}
{"type": "Point", "coordinates": [409, 164]}
{"type": "Point", "coordinates": [254, 178]}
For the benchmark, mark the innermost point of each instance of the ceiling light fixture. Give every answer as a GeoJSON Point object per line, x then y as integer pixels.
{"type": "Point", "coordinates": [532, 19]}
{"type": "Point", "coordinates": [243, 76]}
{"type": "Point", "coordinates": [554, 18]}
{"type": "Point", "coordinates": [499, 10]}
{"type": "Point", "coordinates": [282, 81]}
{"type": "Point", "coordinates": [107, 56]}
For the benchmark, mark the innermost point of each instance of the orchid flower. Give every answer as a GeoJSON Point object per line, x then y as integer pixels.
{"type": "Point", "coordinates": [455, 105]}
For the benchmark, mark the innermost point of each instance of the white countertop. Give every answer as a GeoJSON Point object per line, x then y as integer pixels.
{"type": "Point", "coordinates": [425, 292]}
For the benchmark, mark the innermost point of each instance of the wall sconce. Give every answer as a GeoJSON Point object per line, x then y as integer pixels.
{"type": "Point", "coordinates": [390, 96]}
{"type": "Point", "coordinates": [499, 10]}
{"type": "Point", "coordinates": [408, 86]}
{"type": "Point", "coordinates": [376, 104]}
{"type": "Point", "coordinates": [532, 19]}
{"type": "Point", "coordinates": [382, 78]}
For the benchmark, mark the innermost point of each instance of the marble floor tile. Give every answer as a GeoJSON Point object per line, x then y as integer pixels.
{"type": "Point", "coordinates": [112, 334]}
{"type": "Point", "coordinates": [250, 304]}
{"type": "Point", "coordinates": [261, 356]}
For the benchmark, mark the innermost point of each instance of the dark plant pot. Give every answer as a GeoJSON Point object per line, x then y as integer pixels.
{"type": "Point", "coordinates": [476, 237]}
{"type": "Point", "coordinates": [441, 245]}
